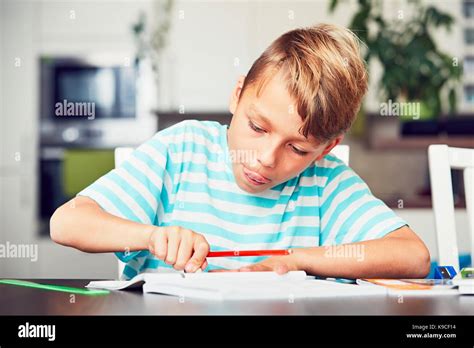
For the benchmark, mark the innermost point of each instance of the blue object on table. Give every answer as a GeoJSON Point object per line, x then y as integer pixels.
{"type": "Point", "coordinates": [444, 272]}
{"type": "Point", "coordinates": [464, 261]}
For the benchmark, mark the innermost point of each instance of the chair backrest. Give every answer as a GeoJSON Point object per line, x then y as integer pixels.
{"type": "Point", "coordinates": [342, 152]}
{"type": "Point", "coordinates": [441, 160]}
{"type": "Point", "coordinates": [120, 155]}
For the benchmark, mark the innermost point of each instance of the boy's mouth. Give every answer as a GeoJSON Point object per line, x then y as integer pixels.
{"type": "Point", "coordinates": [254, 177]}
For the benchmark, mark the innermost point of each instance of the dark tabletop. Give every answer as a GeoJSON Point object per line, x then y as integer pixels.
{"type": "Point", "coordinates": [16, 300]}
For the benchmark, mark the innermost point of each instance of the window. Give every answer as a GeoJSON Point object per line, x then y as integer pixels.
{"type": "Point", "coordinates": [469, 93]}
{"type": "Point", "coordinates": [468, 8]}
{"type": "Point", "coordinates": [469, 36]}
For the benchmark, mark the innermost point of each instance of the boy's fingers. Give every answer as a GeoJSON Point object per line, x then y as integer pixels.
{"type": "Point", "coordinates": [204, 265]}
{"type": "Point", "coordinates": [251, 268]}
{"type": "Point", "coordinates": [281, 269]}
{"type": "Point", "coordinates": [258, 267]}
{"type": "Point", "coordinates": [173, 246]}
{"type": "Point", "coordinates": [161, 246]}
{"type": "Point", "coordinates": [184, 253]}
{"type": "Point", "coordinates": [223, 270]}
{"type": "Point", "coordinates": [201, 249]}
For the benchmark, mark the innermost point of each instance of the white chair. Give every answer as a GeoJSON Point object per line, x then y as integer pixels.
{"type": "Point", "coordinates": [120, 155]}
{"type": "Point", "coordinates": [341, 152]}
{"type": "Point", "coordinates": [441, 160]}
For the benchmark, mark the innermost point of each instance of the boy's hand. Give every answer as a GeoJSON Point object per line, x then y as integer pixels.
{"type": "Point", "coordinates": [177, 246]}
{"type": "Point", "coordinates": [278, 264]}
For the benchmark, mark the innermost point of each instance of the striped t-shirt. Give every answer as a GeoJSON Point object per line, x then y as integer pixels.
{"type": "Point", "coordinates": [182, 177]}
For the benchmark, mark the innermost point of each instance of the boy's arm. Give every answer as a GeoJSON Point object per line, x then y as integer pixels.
{"type": "Point", "coordinates": [82, 224]}
{"type": "Point", "coordinates": [400, 254]}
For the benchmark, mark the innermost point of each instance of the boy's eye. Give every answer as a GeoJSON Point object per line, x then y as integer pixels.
{"type": "Point", "coordinates": [260, 130]}
{"type": "Point", "coordinates": [299, 152]}
{"type": "Point", "coordinates": [255, 128]}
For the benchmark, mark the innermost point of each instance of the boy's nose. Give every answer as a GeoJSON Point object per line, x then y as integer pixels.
{"type": "Point", "coordinates": [268, 157]}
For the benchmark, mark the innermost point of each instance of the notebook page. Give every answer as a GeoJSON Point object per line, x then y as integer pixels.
{"type": "Point", "coordinates": [271, 289]}
{"type": "Point", "coordinates": [135, 282]}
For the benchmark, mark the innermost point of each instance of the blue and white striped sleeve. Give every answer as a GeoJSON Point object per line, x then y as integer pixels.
{"type": "Point", "coordinates": [137, 190]}
{"type": "Point", "coordinates": [349, 212]}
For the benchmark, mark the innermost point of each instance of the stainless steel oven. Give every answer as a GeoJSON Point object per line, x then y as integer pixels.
{"type": "Point", "coordinates": [88, 107]}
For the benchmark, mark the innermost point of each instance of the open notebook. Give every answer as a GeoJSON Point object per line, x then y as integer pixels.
{"type": "Point", "coordinates": [238, 285]}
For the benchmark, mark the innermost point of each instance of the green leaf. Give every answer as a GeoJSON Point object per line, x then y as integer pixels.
{"type": "Point", "coordinates": [332, 5]}
{"type": "Point", "coordinates": [438, 18]}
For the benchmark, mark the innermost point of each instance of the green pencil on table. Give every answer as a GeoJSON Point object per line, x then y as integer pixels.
{"type": "Point", "coordinates": [52, 287]}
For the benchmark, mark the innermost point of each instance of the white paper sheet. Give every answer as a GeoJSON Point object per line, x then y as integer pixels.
{"type": "Point", "coordinates": [240, 286]}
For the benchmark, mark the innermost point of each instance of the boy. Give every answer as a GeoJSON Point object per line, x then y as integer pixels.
{"type": "Point", "coordinates": [266, 182]}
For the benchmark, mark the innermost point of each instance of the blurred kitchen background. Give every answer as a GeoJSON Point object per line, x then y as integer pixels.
{"type": "Point", "coordinates": [149, 64]}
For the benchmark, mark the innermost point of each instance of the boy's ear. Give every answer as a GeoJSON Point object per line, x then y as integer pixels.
{"type": "Point", "coordinates": [234, 98]}
{"type": "Point", "coordinates": [330, 145]}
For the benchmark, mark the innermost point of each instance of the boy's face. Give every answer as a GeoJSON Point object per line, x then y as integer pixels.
{"type": "Point", "coordinates": [265, 146]}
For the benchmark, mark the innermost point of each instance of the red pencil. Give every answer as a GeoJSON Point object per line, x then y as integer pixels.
{"type": "Point", "coordinates": [248, 253]}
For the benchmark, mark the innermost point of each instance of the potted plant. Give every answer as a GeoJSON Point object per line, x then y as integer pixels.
{"type": "Point", "coordinates": [151, 38]}
{"type": "Point", "coordinates": [415, 70]}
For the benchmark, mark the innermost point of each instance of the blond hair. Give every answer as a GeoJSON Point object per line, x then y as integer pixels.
{"type": "Point", "coordinates": [325, 75]}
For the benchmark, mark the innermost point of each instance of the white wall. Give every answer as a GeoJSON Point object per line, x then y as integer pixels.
{"type": "Point", "coordinates": [422, 222]}
{"type": "Point", "coordinates": [17, 127]}
{"type": "Point", "coordinates": [209, 37]}
{"type": "Point", "coordinates": [29, 29]}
